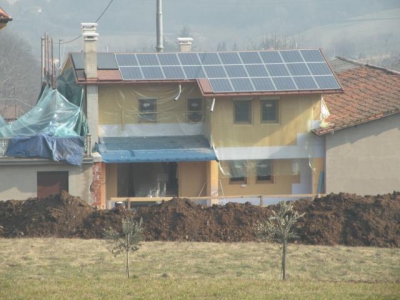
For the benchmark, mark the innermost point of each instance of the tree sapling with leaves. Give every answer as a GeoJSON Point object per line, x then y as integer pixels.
{"type": "Point", "coordinates": [125, 242]}
{"type": "Point", "coordinates": [279, 228]}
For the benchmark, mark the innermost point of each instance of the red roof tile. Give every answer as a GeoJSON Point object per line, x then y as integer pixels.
{"type": "Point", "coordinates": [370, 93]}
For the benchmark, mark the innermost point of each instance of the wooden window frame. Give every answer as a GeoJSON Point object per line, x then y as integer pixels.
{"type": "Point", "coordinates": [142, 114]}
{"type": "Point", "coordinates": [250, 113]}
{"type": "Point", "coordinates": [271, 180]}
{"type": "Point", "coordinates": [194, 116]}
{"type": "Point", "coordinates": [277, 112]}
{"type": "Point", "coordinates": [240, 180]}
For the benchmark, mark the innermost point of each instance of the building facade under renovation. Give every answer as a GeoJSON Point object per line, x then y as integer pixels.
{"type": "Point", "coordinates": [189, 124]}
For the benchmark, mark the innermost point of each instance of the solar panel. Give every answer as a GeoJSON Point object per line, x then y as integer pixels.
{"type": "Point", "coordinates": [131, 73]}
{"type": "Point", "coordinates": [250, 57]}
{"type": "Point", "coordinates": [319, 69]}
{"type": "Point", "coordinates": [215, 71]}
{"type": "Point", "coordinates": [126, 60]}
{"type": "Point", "coordinates": [221, 85]}
{"type": "Point", "coordinates": [284, 70]}
{"type": "Point", "coordinates": [327, 82]}
{"type": "Point", "coordinates": [298, 69]}
{"type": "Point", "coordinates": [230, 58]}
{"type": "Point", "coordinates": [235, 71]}
{"type": "Point", "coordinates": [270, 57]}
{"type": "Point", "coordinates": [189, 59]}
{"type": "Point", "coordinates": [242, 85]}
{"type": "Point", "coordinates": [256, 70]}
{"type": "Point", "coordinates": [152, 73]}
{"type": "Point", "coordinates": [173, 72]}
{"type": "Point", "coordinates": [194, 72]}
{"type": "Point", "coordinates": [209, 58]}
{"type": "Point", "coordinates": [168, 59]}
{"type": "Point", "coordinates": [312, 55]}
{"type": "Point", "coordinates": [263, 84]}
{"type": "Point", "coordinates": [291, 56]}
{"type": "Point", "coordinates": [147, 59]}
{"type": "Point", "coordinates": [284, 83]}
{"type": "Point", "coordinates": [278, 70]}
{"type": "Point", "coordinates": [305, 83]}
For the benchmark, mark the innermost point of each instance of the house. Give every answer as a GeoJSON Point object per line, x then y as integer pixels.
{"type": "Point", "coordinates": [194, 124]}
{"type": "Point", "coordinates": [236, 124]}
{"type": "Point", "coordinates": [362, 133]}
{"type": "Point", "coordinates": [48, 130]}
{"type": "Point", "coordinates": [4, 18]}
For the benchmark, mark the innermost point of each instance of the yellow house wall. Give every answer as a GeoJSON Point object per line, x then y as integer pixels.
{"type": "Point", "coordinates": [119, 103]}
{"type": "Point", "coordinates": [192, 177]}
{"type": "Point", "coordinates": [294, 114]}
{"type": "Point", "coordinates": [282, 182]}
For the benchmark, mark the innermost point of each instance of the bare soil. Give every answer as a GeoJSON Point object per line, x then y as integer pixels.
{"type": "Point", "coordinates": [344, 219]}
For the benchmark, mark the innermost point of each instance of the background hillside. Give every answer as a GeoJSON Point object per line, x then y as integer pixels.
{"type": "Point", "coordinates": [364, 30]}
{"type": "Point", "coordinates": [342, 27]}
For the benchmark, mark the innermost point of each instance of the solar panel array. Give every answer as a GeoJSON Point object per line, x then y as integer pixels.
{"type": "Point", "coordinates": [258, 71]}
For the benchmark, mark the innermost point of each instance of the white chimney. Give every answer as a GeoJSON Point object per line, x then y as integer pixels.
{"type": "Point", "coordinates": [185, 44]}
{"type": "Point", "coordinates": [90, 37]}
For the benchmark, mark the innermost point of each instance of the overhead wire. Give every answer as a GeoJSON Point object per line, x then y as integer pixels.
{"type": "Point", "coordinates": [101, 15]}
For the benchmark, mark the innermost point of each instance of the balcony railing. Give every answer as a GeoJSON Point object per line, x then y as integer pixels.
{"type": "Point", "coordinates": [87, 146]}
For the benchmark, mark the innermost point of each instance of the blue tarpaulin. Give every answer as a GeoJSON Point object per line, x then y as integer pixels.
{"type": "Point", "coordinates": [63, 149]}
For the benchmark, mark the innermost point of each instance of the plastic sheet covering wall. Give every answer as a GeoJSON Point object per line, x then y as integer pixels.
{"type": "Point", "coordinates": [53, 115]}
{"type": "Point", "coordinates": [66, 85]}
{"type": "Point", "coordinates": [263, 143]}
{"type": "Point", "coordinates": [152, 110]}
{"type": "Point", "coordinates": [2, 122]}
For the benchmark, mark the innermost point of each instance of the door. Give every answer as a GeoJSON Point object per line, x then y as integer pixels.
{"type": "Point", "coordinates": [51, 183]}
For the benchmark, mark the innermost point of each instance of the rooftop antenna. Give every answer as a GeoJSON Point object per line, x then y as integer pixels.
{"type": "Point", "coordinates": [160, 37]}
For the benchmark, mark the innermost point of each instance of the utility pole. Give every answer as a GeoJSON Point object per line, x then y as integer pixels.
{"type": "Point", "coordinates": [159, 22]}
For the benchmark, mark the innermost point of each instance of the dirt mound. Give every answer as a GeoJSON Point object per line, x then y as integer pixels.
{"type": "Point", "coordinates": [353, 220]}
{"type": "Point", "coordinates": [181, 219]}
{"type": "Point", "coordinates": [56, 215]}
{"type": "Point", "coordinates": [345, 219]}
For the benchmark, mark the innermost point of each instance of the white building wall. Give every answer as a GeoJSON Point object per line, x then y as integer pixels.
{"type": "Point", "coordinates": [19, 182]}
{"type": "Point", "coordinates": [364, 159]}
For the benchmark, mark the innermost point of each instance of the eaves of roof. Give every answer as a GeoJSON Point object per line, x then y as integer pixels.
{"type": "Point", "coordinates": [370, 93]}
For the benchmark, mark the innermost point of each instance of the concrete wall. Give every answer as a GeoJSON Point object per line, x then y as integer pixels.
{"type": "Point", "coordinates": [19, 182]}
{"type": "Point", "coordinates": [365, 159]}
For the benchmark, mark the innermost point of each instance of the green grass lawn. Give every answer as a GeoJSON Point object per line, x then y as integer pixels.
{"type": "Point", "coordinates": [84, 269]}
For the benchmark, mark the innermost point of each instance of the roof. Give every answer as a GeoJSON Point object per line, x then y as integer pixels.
{"type": "Point", "coordinates": [370, 93]}
{"type": "Point", "coordinates": [219, 73]}
{"type": "Point", "coordinates": [155, 149]}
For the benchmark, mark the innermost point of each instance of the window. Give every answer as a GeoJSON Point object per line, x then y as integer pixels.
{"type": "Point", "coordinates": [242, 111]}
{"type": "Point", "coordinates": [238, 171]}
{"type": "Point", "coordinates": [195, 110]}
{"type": "Point", "coordinates": [51, 183]}
{"type": "Point", "coordinates": [270, 111]}
{"type": "Point", "coordinates": [264, 170]}
{"type": "Point", "coordinates": [148, 110]}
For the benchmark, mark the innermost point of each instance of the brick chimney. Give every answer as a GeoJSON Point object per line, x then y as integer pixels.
{"type": "Point", "coordinates": [185, 44]}
{"type": "Point", "coordinates": [90, 37]}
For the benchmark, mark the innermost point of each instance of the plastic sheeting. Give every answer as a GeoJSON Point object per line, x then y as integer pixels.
{"type": "Point", "coordinates": [263, 144]}
{"type": "Point", "coordinates": [2, 122]}
{"type": "Point", "coordinates": [53, 115]}
{"type": "Point", "coordinates": [63, 149]}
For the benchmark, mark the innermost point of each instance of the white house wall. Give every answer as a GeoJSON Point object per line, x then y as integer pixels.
{"type": "Point", "coordinates": [20, 182]}
{"type": "Point", "coordinates": [364, 159]}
